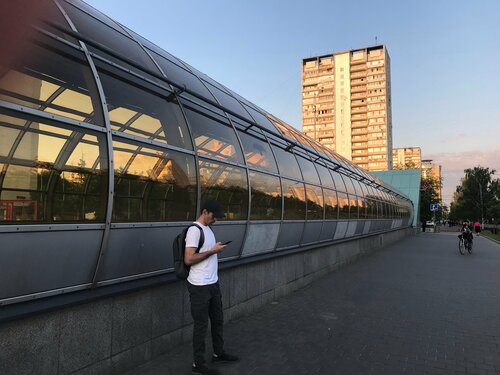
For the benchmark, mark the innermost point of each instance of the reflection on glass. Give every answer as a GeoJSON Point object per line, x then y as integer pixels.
{"type": "Point", "coordinates": [349, 186]}
{"type": "Point", "coordinates": [326, 178]}
{"type": "Point", "coordinates": [363, 207]}
{"type": "Point", "coordinates": [308, 170]}
{"type": "Point", "coordinates": [331, 204]}
{"type": "Point", "coordinates": [314, 197]}
{"type": "Point", "coordinates": [294, 197]}
{"type": "Point", "coordinates": [353, 203]}
{"type": "Point", "coordinates": [287, 163]}
{"type": "Point", "coordinates": [52, 83]}
{"type": "Point", "coordinates": [343, 205]}
{"type": "Point", "coordinates": [111, 38]}
{"type": "Point", "coordinates": [260, 118]}
{"type": "Point", "coordinates": [153, 184]}
{"type": "Point", "coordinates": [258, 153]}
{"type": "Point", "coordinates": [229, 102]}
{"type": "Point", "coordinates": [143, 114]}
{"type": "Point", "coordinates": [228, 185]}
{"type": "Point", "coordinates": [372, 209]}
{"type": "Point", "coordinates": [181, 76]}
{"type": "Point", "coordinates": [51, 174]}
{"type": "Point", "coordinates": [213, 138]}
{"type": "Point", "coordinates": [266, 197]}
{"type": "Point", "coordinates": [339, 181]}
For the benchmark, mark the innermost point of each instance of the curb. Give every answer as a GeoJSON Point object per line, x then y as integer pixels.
{"type": "Point", "coordinates": [491, 239]}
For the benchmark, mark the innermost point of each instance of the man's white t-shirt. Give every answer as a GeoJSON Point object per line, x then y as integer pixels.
{"type": "Point", "coordinates": [205, 272]}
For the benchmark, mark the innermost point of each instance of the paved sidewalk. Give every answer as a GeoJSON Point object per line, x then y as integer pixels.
{"type": "Point", "coordinates": [417, 307]}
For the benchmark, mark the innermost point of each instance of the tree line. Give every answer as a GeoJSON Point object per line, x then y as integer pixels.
{"type": "Point", "coordinates": [477, 197]}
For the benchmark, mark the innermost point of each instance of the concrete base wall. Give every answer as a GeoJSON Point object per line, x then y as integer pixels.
{"type": "Point", "coordinates": [111, 336]}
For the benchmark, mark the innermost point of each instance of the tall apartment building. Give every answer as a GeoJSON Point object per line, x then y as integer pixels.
{"type": "Point", "coordinates": [346, 105]}
{"type": "Point", "coordinates": [407, 158]}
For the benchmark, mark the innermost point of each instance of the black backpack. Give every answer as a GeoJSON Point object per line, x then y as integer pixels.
{"type": "Point", "coordinates": [179, 246]}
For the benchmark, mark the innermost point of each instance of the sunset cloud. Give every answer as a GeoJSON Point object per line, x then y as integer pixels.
{"type": "Point", "coordinates": [453, 165]}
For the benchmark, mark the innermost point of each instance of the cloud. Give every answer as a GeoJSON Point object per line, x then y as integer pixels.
{"type": "Point", "coordinates": [453, 165]}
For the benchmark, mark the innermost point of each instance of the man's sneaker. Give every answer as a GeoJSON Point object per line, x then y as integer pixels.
{"type": "Point", "coordinates": [224, 357]}
{"type": "Point", "coordinates": [203, 369]}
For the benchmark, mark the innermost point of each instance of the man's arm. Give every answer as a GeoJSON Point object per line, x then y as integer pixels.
{"type": "Point", "coordinates": [192, 257]}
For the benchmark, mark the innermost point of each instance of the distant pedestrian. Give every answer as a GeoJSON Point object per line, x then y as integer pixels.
{"type": "Point", "coordinates": [204, 291]}
{"type": "Point", "coordinates": [477, 226]}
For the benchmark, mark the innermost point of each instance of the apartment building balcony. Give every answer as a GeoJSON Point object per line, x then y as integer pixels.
{"type": "Point", "coordinates": [358, 95]}
{"type": "Point", "coordinates": [358, 67]}
{"type": "Point", "coordinates": [358, 117]}
{"type": "Point", "coordinates": [362, 146]}
{"type": "Point", "coordinates": [359, 124]}
{"type": "Point", "coordinates": [358, 160]}
{"type": "Point", "coordinates": [358, 103]}
{"type": "Point", "coordinates": [356, 110]}
{"type": "Point", "coordinates": [359, 131]}
{"type": "Point", "coordinates": [325, 93]}
{"type": "Point", "coordinates": [360, 88]}
{"type": "Point", "coordinates": [372, 78]}
{"type": "Point", "coordinates": [359, 74]}
{"type": "Point", "coordinates": [377, 152]}
{"type": "Point", "coordinates": [356, 138]}
{"type": "Point", "coordinates": [358, 81]}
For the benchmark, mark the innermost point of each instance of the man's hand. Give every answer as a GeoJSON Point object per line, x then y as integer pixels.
{"type": "Point", "coordinates": [192, 257]}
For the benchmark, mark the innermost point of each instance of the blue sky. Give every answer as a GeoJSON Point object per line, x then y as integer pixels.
{"type": "Point", "coordinates": [445, 60]}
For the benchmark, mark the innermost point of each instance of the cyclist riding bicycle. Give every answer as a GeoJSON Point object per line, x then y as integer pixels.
{"type": "Point", "coordinates": [466, 232]}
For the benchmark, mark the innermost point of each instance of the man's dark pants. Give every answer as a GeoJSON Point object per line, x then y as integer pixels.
{"type": "Point", "coordinates": [206, 302]}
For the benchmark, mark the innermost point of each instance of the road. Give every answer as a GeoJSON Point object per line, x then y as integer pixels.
{"type": "Point", "coordinates": [416, 307]}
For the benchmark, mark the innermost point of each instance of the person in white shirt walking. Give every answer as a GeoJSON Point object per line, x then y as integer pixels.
{"type": "Point", "coordinates": [204, 290]}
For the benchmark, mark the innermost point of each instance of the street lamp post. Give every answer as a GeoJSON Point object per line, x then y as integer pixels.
{"type": "Point", "coordinates": [481, 202]}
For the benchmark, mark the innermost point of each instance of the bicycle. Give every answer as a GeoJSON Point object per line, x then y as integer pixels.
{"type": "Point", "coordinates": [463, 244]}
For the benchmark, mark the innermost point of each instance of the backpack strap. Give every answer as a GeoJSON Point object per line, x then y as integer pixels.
{"type": "Point", "coordinates": [202, 237]}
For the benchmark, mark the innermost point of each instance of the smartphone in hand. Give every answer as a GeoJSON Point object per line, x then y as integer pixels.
{"type": "Point", "coordinates": [227, 242]}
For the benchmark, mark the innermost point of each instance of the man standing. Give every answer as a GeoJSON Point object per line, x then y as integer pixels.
{"type": "Point", "coordinates": [203, 287]}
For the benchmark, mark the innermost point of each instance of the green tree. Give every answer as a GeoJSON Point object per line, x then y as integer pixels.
{"type": "Point", "coordinates": [429, 193]}
{"type": "Point", "coordinates": [477, 196]}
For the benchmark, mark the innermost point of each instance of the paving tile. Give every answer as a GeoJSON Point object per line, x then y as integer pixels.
{"type": "Point", "coordinates": [416, 307]}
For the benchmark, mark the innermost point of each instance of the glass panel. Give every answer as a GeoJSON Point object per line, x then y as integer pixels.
{"type": "Point", "coordinates": [287, 163]}
{"type": "Point", "coordinates": [55, 175]}
{"type": "Point", "coordinates": [294, 200]}
{"type": "Point", "coordinates": [260, 119]}
{"type": "Point", "coordinates": [213, 138]}
{"type": "Point", "coordinates": [228, 185]}
{"type": "Point", "coordinates": [308, 170]}
{"type": "Point", "coordinates": [353, 202]}
{"type": "Point", "coordinates": [363, 207]}
{"type": "Point", "coordinates": [331, 204]}
{"type": "Point", "coordinates": [112, 39]}
{"type": "Point", "coordinates": [266, 197]}
{"type": "Point", "coordinates": [153, 184]}
{"type": "Point", "coordinates": [339, 181]}
{"type": "Point", "coordinates": [349, 185]}
{"type": "Point", "coordinates": [314, 197]}
{"type": "Point", "coordinates": [372, 209]}
{"type": "Point", "coordinates": [53, 83]}
{"type": "Point", "coordinates": [142, 114]}
{"type": "Point", "coordinates": [258, 153]}
{"type": "Point", "coordinates": [181, 76]}
{"type": "Point", "coordinates": [325, 176]}
{"type": "Point", "coordinates": [229, 102]}
{"type": "Point", "coordinates": [363, 189]}
{"type": "Point", "coordinates": [343, 205]}
{"type": "Point", "coordinates": [284, 130]}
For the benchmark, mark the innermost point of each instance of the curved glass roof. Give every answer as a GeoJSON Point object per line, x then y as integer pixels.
{"type": "Point", "coordinates": [107, 40]}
